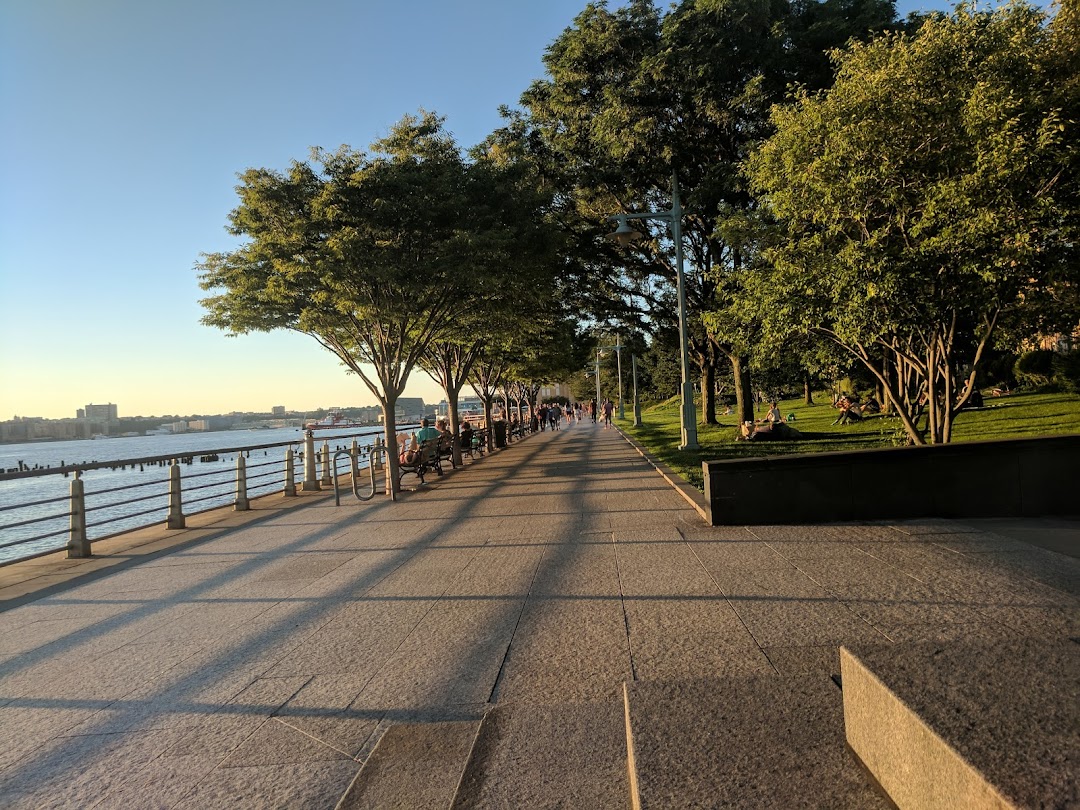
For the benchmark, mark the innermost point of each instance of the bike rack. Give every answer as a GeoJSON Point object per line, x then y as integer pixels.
{"type": "Point", "coordinates": [372, 452]}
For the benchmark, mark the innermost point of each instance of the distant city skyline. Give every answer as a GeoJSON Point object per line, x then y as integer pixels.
{"type": "Point", "coordinates": [126, 124]}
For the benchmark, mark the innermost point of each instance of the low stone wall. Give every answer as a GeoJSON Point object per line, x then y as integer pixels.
{"type": "Point", "coordinates": [1014, 478]}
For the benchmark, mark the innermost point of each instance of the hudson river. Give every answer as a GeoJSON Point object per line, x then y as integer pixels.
{"type": "Point", "coordinates": [97, 482]}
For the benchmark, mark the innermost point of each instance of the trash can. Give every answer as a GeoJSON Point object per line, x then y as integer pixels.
{"type": "Point", "coordinates": [500, 432]}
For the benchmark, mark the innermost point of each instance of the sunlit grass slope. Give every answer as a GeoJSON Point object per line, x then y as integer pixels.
{"type": "Point", "coordinates": [1013, 417]}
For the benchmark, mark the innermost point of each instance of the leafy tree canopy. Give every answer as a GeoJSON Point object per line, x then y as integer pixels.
{"type": "Point", "coordinates": [921, 203]}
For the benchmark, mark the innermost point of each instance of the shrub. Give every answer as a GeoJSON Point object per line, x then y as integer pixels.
{"type": "Point", "coordinates": [1034, 370]}
{"type": "Point", "coordinates": [1066, 368]}
{"type": "Point", "coordinates": [1047, 371]}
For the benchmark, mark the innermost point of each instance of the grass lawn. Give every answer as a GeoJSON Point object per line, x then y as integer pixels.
{"type": "Point", "coordinates": [1017, 416]}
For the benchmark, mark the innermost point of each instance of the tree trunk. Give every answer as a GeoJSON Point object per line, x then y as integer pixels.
{"type": "Point", "coordinates": [744, 400]}
{"type": "Point", "coordinates": [452, 395]}
{"type": "Point", "coordinates": [489, 427]}
{"type": "Point", "coordinates": [808, 394]}
{"type": "Point", "coordinates": [390, 439]}
{"type": "Point", "coordinates": [708, 393]}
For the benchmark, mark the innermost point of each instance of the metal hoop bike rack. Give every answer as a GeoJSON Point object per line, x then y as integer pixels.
{"type": "Point", "coordinates": [375, 453]}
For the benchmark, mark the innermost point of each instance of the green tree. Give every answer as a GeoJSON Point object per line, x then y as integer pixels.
{"type": "Point", "coordinates": [507, 286]}
{"type": "Point", "coordinates": [633, 95]}
{"type": "Point", "coordinates": [365, 254]}
{"type": "Point", "coordinates": [921, 205]}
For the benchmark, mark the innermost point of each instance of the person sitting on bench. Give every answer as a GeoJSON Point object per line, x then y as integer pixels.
{"type": "Point", "coordinates": [466, 437]}
{"type": "Point", "coordinates": [410, 449]}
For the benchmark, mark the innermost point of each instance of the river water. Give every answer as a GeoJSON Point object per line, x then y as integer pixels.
{"type": "Point", "coordinates": [105, 487]}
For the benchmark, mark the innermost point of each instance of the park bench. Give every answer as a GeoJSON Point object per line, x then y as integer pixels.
{"type": "Point", "coordinates": [477, 446]}
{"type": "Point", "coordinates": [427, 460]}
{"type": "Point", "coordinates": [446, 451]}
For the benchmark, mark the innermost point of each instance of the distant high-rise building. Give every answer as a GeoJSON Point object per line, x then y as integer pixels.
{"type": "Point", "coordinates": [104, 413]}
{"type": "Point", "coordinates": [409, 408]}
{"type": "Point", "coordinates": [278, 410]}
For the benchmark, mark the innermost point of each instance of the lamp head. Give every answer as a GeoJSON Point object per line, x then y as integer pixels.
{"type": "Point", "coordinates": [624, 235]}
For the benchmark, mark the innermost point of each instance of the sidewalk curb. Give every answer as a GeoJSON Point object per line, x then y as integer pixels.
{"type": "Point", "coordinates": [692, 496]}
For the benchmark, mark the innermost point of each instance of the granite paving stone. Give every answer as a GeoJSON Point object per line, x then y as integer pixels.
{"type": "Point", "coordinates": [27, 729]}
{"type": "Point", "coordinates": [276, 743]}
{"type": "Point", "coordinates": [1046, 567]}
{"type": "Point", "coordinates": [795, 660]}
{"type": "Point", "coordinates": [966, 723]}
{"type": "Point", "coordinates": [985, 630]}
{"type": "Point", "coordinates": [214, 736]}
{"type": "Point", "coordinates": [786, 622]}
{"type": "Point", "coordinates": [908, 555]}
{"type": "Point", "coordinates": [571, 755]}
{"type": "Point", "coordinates": [690, 640]}
{"type": "Point", "coordinates": [414, 766]}
{"type": "Point", "coordinates": [749, 554]}
{"type": "Point", "coordinates": [975, 542]}
{"type": "Point", "coordinates": [358, 642]}
{"type": "Point", "coordinates": [39, 633]}
{"type": "Point", "coordinates": [564, 651]}
{"type": "Point", "coordinates": [932, 526]}
{"type": "Point", "coordinates": [889, 603]}
{"type": "Point", "coordinates": [259, 663]}
{"type": "Point", "coordinates": [46, 779]}
{"type": "Point", "coordinates": [760, 742]}
{"type": "Point", "coordinates": [321, 710]}
{"type": "Point", "coordinates": [306, 786]}
{"type": "Point", "coordinates": [161, 783]}
{"type": "Point", "coordinates": [1028, 620]}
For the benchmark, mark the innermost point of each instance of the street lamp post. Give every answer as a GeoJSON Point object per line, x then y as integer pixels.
{"type": "Point", "coordinates": [624, 235]}
{"type": "Point", "coordinates": [598, 377]}
{"type": "Point", "coordinates": [637, 405]}
{"type": "Point", "coordinates": [618, 357]}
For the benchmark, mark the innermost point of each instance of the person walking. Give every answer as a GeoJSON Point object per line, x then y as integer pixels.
{"type": "Point", "coordinates": [609, 409]}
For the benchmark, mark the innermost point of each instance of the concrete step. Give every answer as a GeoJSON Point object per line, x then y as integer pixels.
{"type": "Point", "coordinates": [990, 725]}
{"type": "Point", "coordinates": [757, 742]}
{"type": "Point", "coordinates": [530, 755]}
{"type": "Point", "coordinates": [415, 766]}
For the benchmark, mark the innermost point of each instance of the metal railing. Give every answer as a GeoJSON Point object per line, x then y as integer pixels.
{"type": "Point", "coordinates": [75, 520]}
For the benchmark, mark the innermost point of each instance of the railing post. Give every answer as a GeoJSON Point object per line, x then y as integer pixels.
{"type": "Point", "coordinates": [326, 480]}
{"type": "Point", "coordinates": [354, 458]}
{"type": "Point", "coordinates": [377, 453]}
{"type": "Point", "coordinates": [78, 545]}
{"type": "Point", "coordinates": [311, 479]}
{"type": "Point", "coordinates": [241, 503]}
{"type": "Point", "coordinates": [290, 479]}
{"type": "Point", "coordinates": [176, 502]}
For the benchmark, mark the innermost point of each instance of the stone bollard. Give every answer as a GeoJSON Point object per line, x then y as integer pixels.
{"type": "Point", "coordinates": [241, 503]}
{"type": "Point", "coordinates": [290, 480]}
{"type": "Point", "coordinates": [78, 544]}
{"type": "Point", "coordinates": [326, 479]}
{"type": "Point", "coordinates": [176, 503]}
{"type": "Point", "coordinates": [311, 479]}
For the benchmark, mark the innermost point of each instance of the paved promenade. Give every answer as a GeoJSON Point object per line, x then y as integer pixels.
{"type": "Point", "coordinates": [259, 667]}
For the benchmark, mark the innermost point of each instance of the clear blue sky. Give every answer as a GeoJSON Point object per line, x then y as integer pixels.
{"type": "Point", "coordinates": [124, 125]}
